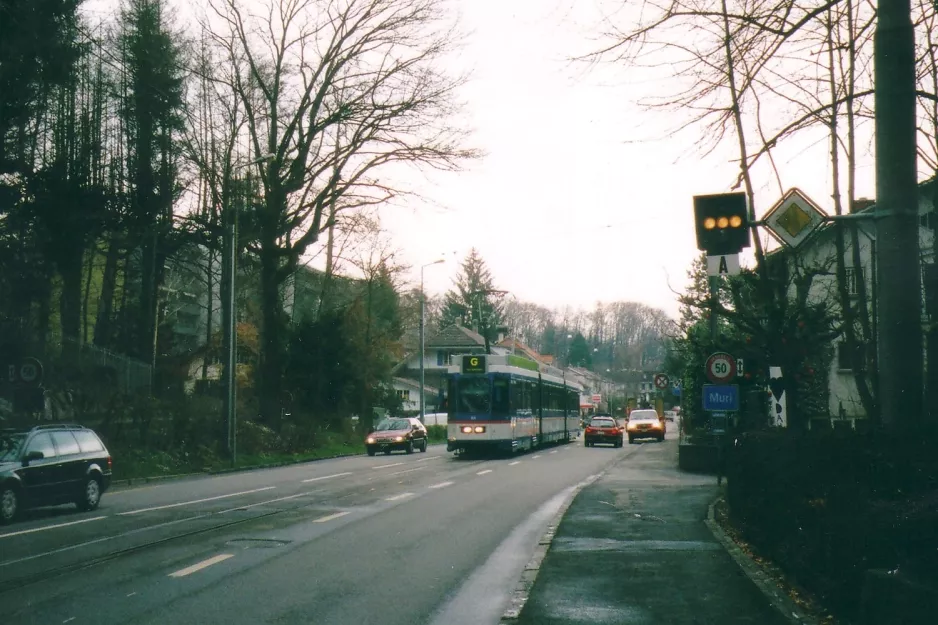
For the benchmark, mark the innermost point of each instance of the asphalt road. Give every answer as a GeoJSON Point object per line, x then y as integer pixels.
{"type": "Point", "coordinates": [424, 538]}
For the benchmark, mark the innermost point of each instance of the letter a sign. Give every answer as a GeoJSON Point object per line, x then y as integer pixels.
{"type": "Point", "coordinates": [726, 265]}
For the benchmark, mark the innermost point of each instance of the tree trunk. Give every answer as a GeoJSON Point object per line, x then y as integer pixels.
{"type": "Point", "coordinates": [271, 333]}
{"type": "Point", "coordinates": [104, 322]}
{"type": "Point", "coordinates": [86, 298]}
{"type": "Point", "coordinates": [70, 266]}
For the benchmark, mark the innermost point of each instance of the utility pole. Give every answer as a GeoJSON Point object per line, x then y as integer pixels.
{"type": "Point", "coordinates": [423, 300]}
{"type": "Point", "coordinates": [899, 300]}
{"type": "Point", "coordinates": [229, 316]}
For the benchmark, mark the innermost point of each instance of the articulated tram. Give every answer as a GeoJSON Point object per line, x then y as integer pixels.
{"type": "Point", "coordinates": [509, 403]}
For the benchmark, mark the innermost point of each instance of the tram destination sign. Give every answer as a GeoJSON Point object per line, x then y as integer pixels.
{"type": "Point", "coordinates": [473, 364]}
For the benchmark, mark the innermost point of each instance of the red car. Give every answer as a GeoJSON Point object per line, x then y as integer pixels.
{"type": "Point", "coordinates": [402, 433]}
{"type": "Point", "coordinates": [602, 429]}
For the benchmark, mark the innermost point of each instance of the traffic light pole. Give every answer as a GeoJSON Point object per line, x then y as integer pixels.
{"type": "Point", "coordinates": [714, 297]}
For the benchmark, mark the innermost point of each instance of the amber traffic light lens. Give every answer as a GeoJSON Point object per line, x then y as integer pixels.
{"type": "Point", "coordinates": [723, 222]}
{"type": "Point", "coordinates": [736, 221]}
{"type": "Point", "coordinates": [709, 223]}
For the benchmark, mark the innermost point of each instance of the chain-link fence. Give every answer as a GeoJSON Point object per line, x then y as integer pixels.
{"type": "Point", "coordinates": [130, 376]}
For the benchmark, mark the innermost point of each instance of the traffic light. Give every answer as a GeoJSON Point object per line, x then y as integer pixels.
{"type": "Point", "coordinates": [722, 223]}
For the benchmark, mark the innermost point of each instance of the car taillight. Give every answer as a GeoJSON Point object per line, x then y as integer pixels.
{"type": "Point", "coordinates": [109, 463]}
{"type": "Point", "coordinates": [589, 430]}
{"type": "Point", "coordinates": [614, 431]}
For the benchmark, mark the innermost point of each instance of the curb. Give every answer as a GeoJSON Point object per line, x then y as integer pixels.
{"type": "Point", "coordinates": [519, 596]}
{"type": "Point", "coordinates": [758, 574]}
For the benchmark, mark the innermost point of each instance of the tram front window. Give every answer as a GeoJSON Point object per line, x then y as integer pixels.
{"type": "Point", "coordinates": [474, 395]}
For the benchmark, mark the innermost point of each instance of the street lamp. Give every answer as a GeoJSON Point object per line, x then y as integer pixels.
{"type": "Point", "coordinates": [423, 355]}
{"type": "Point", "coordinates": [230, 257]}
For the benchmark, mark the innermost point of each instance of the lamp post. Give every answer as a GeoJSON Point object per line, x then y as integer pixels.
{"type": "Point", "coordinates": [423, 355]}
{"type": "Point", "coordinates": [230, 258]}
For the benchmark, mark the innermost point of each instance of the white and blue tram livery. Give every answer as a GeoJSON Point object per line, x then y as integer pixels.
{"type": "Point", "coordinates": [509, 403]}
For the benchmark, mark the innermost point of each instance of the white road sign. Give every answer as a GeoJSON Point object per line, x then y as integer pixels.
{"type": "Point", "coordinates": [727, 265]}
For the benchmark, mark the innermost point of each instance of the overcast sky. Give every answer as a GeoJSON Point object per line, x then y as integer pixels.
{"type": "Point", "coordinates": [582, 196]}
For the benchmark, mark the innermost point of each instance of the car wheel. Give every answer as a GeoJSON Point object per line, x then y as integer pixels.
{"type": "Point", "coordinates": [410, 447]}
{"type": "Point", "coordinates": [90, 495]}
{"type": "Point", "coordinates": [631, 441]}
{"type": "Point", "coordinates": [586, 443]}
{"type": "Point", "coordinates": [387, 452]}
{"type": "Point", "coordinates": [9, 504]}
{"type": "Point", "coordinates": [371, 452]}
{"type": "Point", "coordinates": [423, 448]}
{"type": "Point", "coordinates": [661, 438]}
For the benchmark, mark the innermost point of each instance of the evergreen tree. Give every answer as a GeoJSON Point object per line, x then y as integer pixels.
{"type": "Point", "coordinates": [474, 301]}
{"type": "Point", "coordinates": [580, 354]}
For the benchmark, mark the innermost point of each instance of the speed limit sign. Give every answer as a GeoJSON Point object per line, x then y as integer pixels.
{"type": "Point", "coordinates": [720, 368]}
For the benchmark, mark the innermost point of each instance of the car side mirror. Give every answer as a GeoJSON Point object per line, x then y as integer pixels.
{"type": "Point", "coordinates": [33, 455]}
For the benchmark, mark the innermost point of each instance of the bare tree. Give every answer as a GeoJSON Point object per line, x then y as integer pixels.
{"type": "Point", "coordinates": [333, 91]}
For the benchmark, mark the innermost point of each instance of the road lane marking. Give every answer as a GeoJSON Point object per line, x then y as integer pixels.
{"type": "Point", "coordinates": [484, 472]}
{"type": "Point", "coordinates": [131, 594]}
{"type": "Point", "coordinates": [535, 457]}
{"type": "Point", "coordinates": [511, 464]}
{"type": "Point", "coordinates": [387, 466]}
{"type": "Point", "coordinates": [554, 451]}
{"type": "Point", "coordinates": [326, 477]}
{"type": "Point", "coordinates": [401, 496]}
{"type": "Point", "coordinates": [69, 620]}
{"type": "Point", "coordinates": [50, 527]}
{"type": "Point", "coordinates": [188, 503]}
{"type": "Point", "coordinates": [261, 503]}
{"type": "Point", "coordinates": [442, 485]}
{"type": "Point", "coordinates": [204, 564]}
{"type": "Point", "coordinates": [406, 471]}
{"type": "Point", "coordinates": [331, 517]}
{"type": "Point", "coordinates": [430, 458]}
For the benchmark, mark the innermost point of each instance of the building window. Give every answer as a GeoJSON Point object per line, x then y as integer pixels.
{"type": "Point", "coordinates": [440, 358]}
{"type": "Point", "coordinates": [844, 362]}
{"type": "Point", "coordinates": [853, 278]}
{"type": "Point", "coordinates": [403, 395]}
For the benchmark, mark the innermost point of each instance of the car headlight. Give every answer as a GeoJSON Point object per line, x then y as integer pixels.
{"type": "Point", "coordinates": [370, 440]}
{"type": "Point", "coordinates": [398, 439]}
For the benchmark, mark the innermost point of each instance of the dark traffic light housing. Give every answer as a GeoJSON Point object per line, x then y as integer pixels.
{"type": "Point", "coordinates": [722, 223]}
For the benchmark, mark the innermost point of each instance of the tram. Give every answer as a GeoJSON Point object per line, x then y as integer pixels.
{"type": "Point", "coordinates": [509, 403]}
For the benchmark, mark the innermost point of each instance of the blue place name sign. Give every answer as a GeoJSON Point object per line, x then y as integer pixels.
{"type": "Point", "coordinates": [721, 397]}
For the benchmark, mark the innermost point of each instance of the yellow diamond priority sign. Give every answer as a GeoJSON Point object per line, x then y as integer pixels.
{"type": "Point", "coordinates": [794, 218]}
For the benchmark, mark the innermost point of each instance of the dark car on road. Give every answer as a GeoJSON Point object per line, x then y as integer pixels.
{"type": "Point", "coordinates": [645, 424]}
{"type": "Point", "coordinates": [50, 465]}
{"type": "Point", "coordinates": [602, 429]}
{"type": "Point", "coordinates": [407, 434]}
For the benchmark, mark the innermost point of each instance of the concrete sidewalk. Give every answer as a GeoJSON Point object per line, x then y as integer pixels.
{"type": "Point", "coordinates": [633, 547]}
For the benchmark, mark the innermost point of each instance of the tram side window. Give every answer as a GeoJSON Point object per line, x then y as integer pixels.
{"type": "Point", "coordinates": [451, 393]}
{"type": "Point", "coordinates": [535, 395]}
{"type": "Point", "coordinates": [500, 405]}
{"type": "Point", "coordinates": [474, 396]}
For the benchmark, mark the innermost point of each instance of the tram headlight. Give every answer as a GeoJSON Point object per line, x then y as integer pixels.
{"type": "Point", "coordinates": [479, 429]}
{"type": "Point", "coordinates": [467, 429]}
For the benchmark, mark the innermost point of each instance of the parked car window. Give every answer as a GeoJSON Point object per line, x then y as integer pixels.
{"type": "Point", "coordinates": [10, 446]}
{"type": "Point", "coordinates": [88, 442]}
{"type": "Point", "coordinates": [65, 443]}
{"type": "Point", "coordinates": [42, 442]}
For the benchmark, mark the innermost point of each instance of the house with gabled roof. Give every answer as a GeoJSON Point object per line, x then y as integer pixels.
{"type": "Point", "coordinates": [819, 251]}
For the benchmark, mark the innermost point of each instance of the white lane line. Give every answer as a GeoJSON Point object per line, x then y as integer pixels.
{"type": "Point", "coordinates": [131, 594]}
{"type": "Point", "coordinates": [387, 466]}
{"type": "Point", "coordinates": [406, 471]}
{"type": "Point", "coordinates": [554, 451]}
{"type": "Point", "coordinates": [511, 464]}
{"type": "Point", "coordinates": [401, 496]}
{"type": "Point", "coordinates": [484, 472]}
{"type": "Point", "coordinates": [430, 458]}
{"type": "Point", "coordinates": [535, 457]}
{"type": "Point", "coordinates": [188, 503]}
{"type": "Point", "coordinates": [50, 527]}
{"type": "Point", "coordinates": [326, 477]}
{"type": "Point", "coordinates": [442, 485]}
{"type": "Point", "coordinates": [69, 620]}
{"type": "Point", "coordinates": [331, 517]}
{"type": "Point", "coordinates": [261, 503]}
{"type": "Point", "coordinates": [204, 564]}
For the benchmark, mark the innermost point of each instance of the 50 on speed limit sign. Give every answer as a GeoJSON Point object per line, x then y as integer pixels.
{"type": "Point", "coordinates": [720, 367]}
